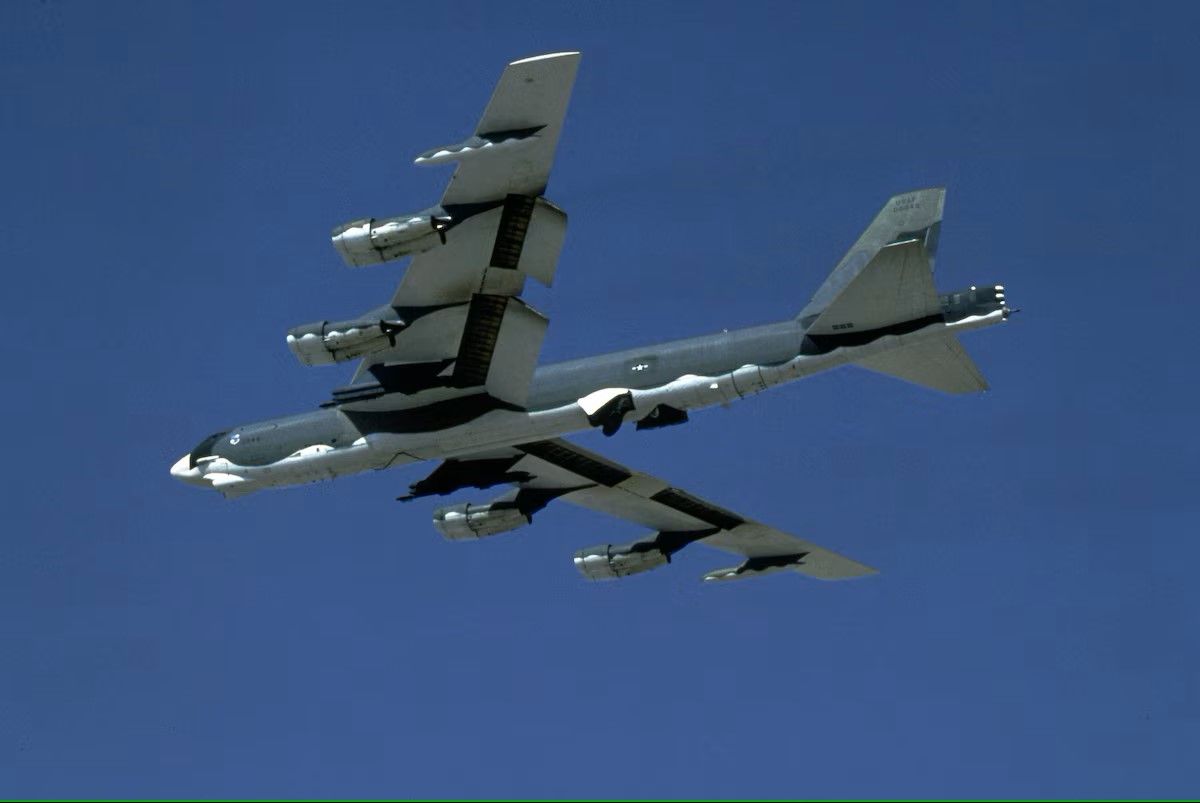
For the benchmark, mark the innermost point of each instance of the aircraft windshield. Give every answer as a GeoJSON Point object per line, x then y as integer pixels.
{"type": "Point", "coordinates": [205, 447]}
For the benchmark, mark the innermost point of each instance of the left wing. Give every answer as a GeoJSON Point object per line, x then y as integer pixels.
{"type": "Point", "coordinates": [557, 469]}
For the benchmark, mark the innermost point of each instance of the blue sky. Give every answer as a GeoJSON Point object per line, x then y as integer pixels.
{"type": "Point", "coordinates": [171, 173]}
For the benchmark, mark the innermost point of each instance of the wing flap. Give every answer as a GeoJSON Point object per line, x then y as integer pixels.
{"type": "Point", "coordinates": [513, 356]}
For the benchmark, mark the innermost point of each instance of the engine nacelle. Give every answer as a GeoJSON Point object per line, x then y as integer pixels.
{"type": "Point", "coordinates": [469, 522]}
{"type": "Point", "coordinates": [607, 562]}
{"type": "Point", "coordinates": [370, 241]}
{"type": "Point", "coordinates": [325, 343]}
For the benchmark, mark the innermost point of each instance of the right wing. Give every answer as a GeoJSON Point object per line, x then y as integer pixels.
{"type": "Point", "coordinates": [887, 275]}
{"type": "Point", "coordinates": [520, 233]}
{"type": "Point", "coordinates": [558, 469]}
{"type": "Point", "coordinates": [460, 323]}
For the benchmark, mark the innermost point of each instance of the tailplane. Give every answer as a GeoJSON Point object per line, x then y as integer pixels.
{"type": "Point", "coordinates": [941, 364]}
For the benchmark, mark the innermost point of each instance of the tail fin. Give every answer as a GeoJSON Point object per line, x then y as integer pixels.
{"type": "Point", "coordinates": [887, 276]}
{"type": "Point", "coordinates": [940, 363]}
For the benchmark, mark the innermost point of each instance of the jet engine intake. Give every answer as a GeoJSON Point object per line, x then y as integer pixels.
{"type": "Point", "coordinates": [325, 343]}
{"type": "Point", "coordinates": [468, 522]}
{"type": "Point", "coordinates": [370, 241]}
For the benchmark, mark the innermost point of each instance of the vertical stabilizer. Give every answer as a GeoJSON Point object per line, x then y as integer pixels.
{"type": "Point", "coordinates": [887, 276]}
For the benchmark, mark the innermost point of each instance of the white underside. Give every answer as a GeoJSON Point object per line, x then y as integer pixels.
{"type": "Point", "coordinates": [505, 428]}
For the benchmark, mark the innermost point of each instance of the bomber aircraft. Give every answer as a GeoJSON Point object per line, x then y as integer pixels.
{"type": "Point", "coordinates": [448, 368]}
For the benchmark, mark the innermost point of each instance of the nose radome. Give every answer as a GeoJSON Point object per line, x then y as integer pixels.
{"type": "Point", "coordinates": [183, 471]}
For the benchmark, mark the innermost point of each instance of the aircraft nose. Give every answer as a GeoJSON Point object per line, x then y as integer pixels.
{"type": "Point", "coordinates": [183, 470]}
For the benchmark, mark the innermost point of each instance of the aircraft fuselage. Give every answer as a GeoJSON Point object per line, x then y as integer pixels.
{"type": "Point", "coordinates": [652, 386]}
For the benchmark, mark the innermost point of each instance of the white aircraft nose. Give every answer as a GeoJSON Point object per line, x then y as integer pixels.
{"type": "Point", "coordinates": [183, 470]}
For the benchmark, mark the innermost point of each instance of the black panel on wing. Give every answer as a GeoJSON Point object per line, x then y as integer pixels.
{"type": "Point", "coordinates": [697, 508]}
{"type": "Point", "coordinates": [478, 343]}
{"type": "Point", "coordinates": [454, 475]}
{"type": "Point", "coordinates": [558, 454]}
{"type": "Point", "coordinates": [510, 237]}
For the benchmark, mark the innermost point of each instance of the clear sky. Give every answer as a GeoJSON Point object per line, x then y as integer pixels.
{"type": "Point", "coordinates": [170, 175]}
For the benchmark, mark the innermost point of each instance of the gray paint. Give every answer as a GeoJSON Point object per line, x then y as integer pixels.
{"type": "Point", "coordinates": [561, 383]}
{"type": "Point", "coordinates": [265, 442]}
{"type": "Point", "coordinates": [707, 355]}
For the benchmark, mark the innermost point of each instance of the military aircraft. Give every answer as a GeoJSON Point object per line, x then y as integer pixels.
{"type": "Point", "coordinates": [448, 368]}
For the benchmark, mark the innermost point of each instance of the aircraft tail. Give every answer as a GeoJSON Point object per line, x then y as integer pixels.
{"type": "Point", "coordinates": [884, 285]}
{"type": "Point", "coordinates": [887, 275]}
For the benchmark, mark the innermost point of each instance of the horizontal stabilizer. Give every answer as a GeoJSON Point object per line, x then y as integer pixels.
{"type": "Point", "coordinates": [940, 363]}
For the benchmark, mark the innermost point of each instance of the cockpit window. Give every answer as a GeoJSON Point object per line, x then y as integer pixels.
{"type": "Point", "coordinates": [205, 448]}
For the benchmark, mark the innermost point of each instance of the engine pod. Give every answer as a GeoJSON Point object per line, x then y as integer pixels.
{"type": "Point", "coordinates": [370, 241]}
{"type": "Point", "coordinates": [608, 562]}
{"type": "Point", "coordinates": [325, 343]}
{"type": "Point", "coordinates": [469, 522]}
